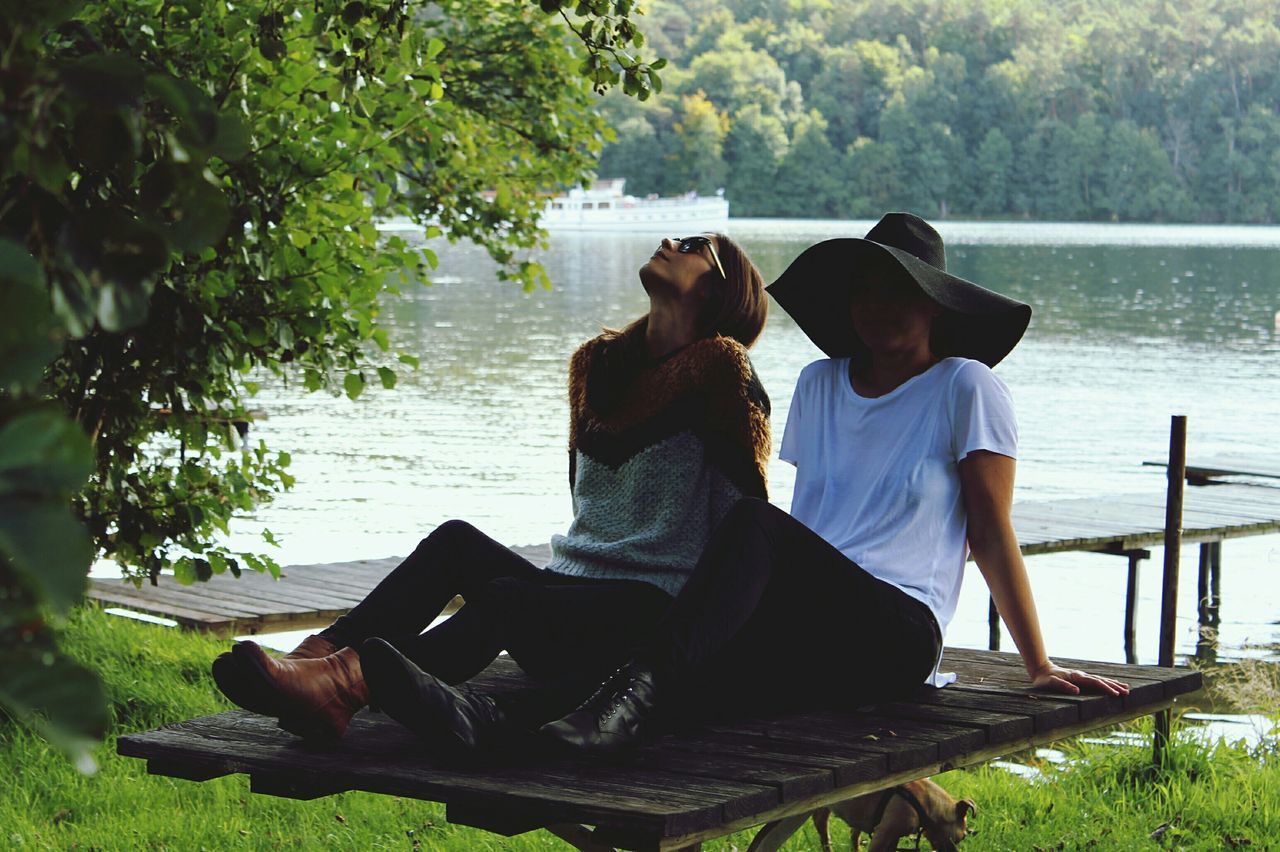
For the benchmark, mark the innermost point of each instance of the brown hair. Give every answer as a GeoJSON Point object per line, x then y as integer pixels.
{"type": "Point", "coordinates": [739, 307]}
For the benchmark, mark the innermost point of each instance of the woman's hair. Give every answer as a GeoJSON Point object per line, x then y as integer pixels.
{"type": "Point", "coordinates": [738, 305]}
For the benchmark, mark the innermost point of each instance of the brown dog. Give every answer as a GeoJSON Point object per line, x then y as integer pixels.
{"type": "Point", "coordinates": [913, 808]}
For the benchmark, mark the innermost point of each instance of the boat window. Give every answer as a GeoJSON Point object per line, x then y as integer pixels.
{"type": "Point", "coordinates": [603, 205]}
{"type": "Point", "coordinates": [587, 205]}
{"type": "Point", "coordinates": [557, 206]}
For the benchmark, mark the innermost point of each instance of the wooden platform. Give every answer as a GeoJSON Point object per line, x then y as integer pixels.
{"type": "Point", "coordinates": [1124, 525]}
{"type": "Point", "coordinates": [680, 789]}
{"type": "Point", "coordinates": [305, 596]}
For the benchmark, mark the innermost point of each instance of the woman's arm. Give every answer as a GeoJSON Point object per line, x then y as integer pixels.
{"type": "Point", "coordinates": [986, 480]}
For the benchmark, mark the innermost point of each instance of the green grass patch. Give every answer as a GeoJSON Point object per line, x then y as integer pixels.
{"type": "Point", "coordinates": [1105, 797]}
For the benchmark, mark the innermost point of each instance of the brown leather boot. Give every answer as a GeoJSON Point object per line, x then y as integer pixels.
{"type": "Point", "coordinates": [316, 698]}
{"type": "Point", "coordinates": [242, 683]}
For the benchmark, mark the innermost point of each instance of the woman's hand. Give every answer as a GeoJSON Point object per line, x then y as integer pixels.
{"type": "Point", "coordinates": [1074, 681]}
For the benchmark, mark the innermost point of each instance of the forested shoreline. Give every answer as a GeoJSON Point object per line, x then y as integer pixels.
{"type": "Point", "coordinates": [1109, 110]}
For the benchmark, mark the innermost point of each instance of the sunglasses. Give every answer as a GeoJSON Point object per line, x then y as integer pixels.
{"type": "Point", "coordinates": [688, 245]}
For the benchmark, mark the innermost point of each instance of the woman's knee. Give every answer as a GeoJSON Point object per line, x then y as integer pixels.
{"type": "Point", "coordinates": [746, 509]}
{"type": "Point", "coordinates": [751, 513]}
{"type": "Point", "coordinates": [449, 535]}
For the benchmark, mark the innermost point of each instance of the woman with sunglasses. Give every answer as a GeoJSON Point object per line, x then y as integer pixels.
{"type": "Point", "coordinates": [904, 443]}
{"type": "Point", "coordinates": [668, 429]}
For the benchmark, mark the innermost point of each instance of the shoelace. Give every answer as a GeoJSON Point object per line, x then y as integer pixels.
{"type": "Point", "coordinates": [616, 704]}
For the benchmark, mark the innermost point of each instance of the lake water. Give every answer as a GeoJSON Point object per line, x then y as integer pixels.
{"type": "Point", "coordinates": [1132, 324]}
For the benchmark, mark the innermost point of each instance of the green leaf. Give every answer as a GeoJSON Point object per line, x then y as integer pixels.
{"type": "Point", "coordinates": [353, 384]}
{"type": "Point", "coordinates": [49, 550]}
{"type": "Point", "coordinates": [123, 304]}
{"type": "Point", "coordinates": [388, 377]}
{"type": "Point", "coordinates": [231, 142]}
{"type": "Point", "coordinates": [28, 339]}
{"type": "Point", "coordinates": [104, 79]}
{"type": "Point", "coordinates": [411, 360]}
{"type": "Point", "coordinates": [184, 571]}
{"type": "Point", "coordinates": [56, 696]}
{"type": "Point", "coordinates": [204, 216]}
{"type": "Point", "coordinates": [43, 451]}
{"type": "Point", "coordinates": [434, 46]}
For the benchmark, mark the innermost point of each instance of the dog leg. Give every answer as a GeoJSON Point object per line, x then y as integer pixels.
{"type": "Point", "coordinates": [822, 822]}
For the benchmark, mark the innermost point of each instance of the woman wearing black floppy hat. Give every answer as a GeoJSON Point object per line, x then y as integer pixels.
{"type": "Point", "coordinates": [904, 443]}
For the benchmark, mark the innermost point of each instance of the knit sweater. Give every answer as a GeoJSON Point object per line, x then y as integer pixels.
{"type": "Point", "coordinates": [658, 453]}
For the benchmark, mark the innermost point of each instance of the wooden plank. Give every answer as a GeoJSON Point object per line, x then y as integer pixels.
{"type": "Point", "coordinates": [106, 595]}
{"type": "Point", "coordinates": [853, 741]}
{"type": "Point", "coordinates": [792, 781]}
{"type": "Point", "coordinates": [159, 597]}
{"type": "Point", "coordinates": [1044, 715]}
{"type": "Point", "coordinates": [848, 764]}
{"type": "Point", "coordinates": [250, 599]}
{"type": "Point", "coordinates": [301, 589]}
{"type": "Point", "coordinates": [995, 726]}
{"type": "Point", "coordinates": [1007, 671]}
{"type": "Point", "coordinates": [216, 599]}
{"type": "Point", "coordinates": [1090, 705]}
{"type": "Point", "coordinates": [843, 769]}
{"type": "Point", "coordinates": [950, 739]}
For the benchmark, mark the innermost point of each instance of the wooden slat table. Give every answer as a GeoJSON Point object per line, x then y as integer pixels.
{"type": "Point", "coordinates": [680, 789]}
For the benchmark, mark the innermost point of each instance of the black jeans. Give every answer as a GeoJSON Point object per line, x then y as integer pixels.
{"type": "Point", "coordinates": [774, 618]}
{"type": "Point", "coordinates": [568, 632]}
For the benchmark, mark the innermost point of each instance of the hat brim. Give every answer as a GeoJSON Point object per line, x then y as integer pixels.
{"type": "Point", "coordinates": [975, 323]}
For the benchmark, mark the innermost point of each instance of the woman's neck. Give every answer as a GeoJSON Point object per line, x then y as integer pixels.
{"type": "Point", "coordinates": [885, 373]}
{"type": "Point", "coordinates": [668, 329]}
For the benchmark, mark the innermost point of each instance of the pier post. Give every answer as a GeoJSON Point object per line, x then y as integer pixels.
{"type": "Point", "coordinates": [1202, 583]}
{"type": "Point", "coordinates": [1131, 605]}
{"type": "Point", "coordinates": [1177, 472]}
{"type": "Point", "coordinates": [1215, 584]}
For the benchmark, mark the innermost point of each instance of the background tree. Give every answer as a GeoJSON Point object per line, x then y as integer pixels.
{"type": "Point", "coordinates": [931, 80]}
{"type": "Point", "coordinates": [697, 163]}
{"type": "Point", "coordinates": [753, 150]}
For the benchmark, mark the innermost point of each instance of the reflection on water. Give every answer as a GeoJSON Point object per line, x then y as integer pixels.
{"type": "Point", "coordinates": [1132, 324]}
{"type": "Point", "coordinates": [1251, 731]}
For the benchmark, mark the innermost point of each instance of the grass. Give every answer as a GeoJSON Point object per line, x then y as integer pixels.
{"type": "Point", "coordinates": [1219, 797]}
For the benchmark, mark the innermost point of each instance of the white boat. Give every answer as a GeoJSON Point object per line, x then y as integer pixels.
{"type": "Point", "coordinates": [606, 207]}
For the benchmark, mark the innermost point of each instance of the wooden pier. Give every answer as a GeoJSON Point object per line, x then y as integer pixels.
{"type": "Point", "coordinates": [1123, 525]}
{"type": "Point", "coordinates": [304, 597]}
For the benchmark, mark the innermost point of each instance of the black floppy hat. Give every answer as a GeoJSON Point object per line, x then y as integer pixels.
{"type": "Point", "coordinates": [975, 322]}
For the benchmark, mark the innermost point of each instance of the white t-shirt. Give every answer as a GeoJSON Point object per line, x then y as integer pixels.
{"type": "Point", "coordinates": [878, 477]}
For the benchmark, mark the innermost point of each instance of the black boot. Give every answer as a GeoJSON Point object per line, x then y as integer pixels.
{"type": "Point", "coordinates": [457, 725]}
{"type": "Point", "coordinates": [615, 717]}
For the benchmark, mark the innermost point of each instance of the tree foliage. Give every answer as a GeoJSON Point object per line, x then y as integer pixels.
{"type": "Point", "coordinates": [188, 196]}
{"type": "Point", "coordinates": [997, 108]}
